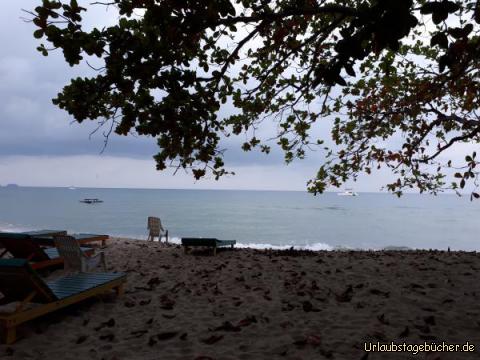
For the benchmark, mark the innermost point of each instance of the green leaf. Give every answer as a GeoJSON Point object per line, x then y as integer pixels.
{"type": "Point", "coordinates": [439, 39]}
{"type": "Point", "coordinates": [476, 14]}
{"type": "Point", "coordinates": [38, 34]}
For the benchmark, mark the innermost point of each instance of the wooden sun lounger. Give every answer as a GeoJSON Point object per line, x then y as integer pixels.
{"type": "Point", "coordinates": [207, 242]}
{"type": "Point", "coordinates": [24, 246]}
{"type": "Point", "coordinates": [19, 282]}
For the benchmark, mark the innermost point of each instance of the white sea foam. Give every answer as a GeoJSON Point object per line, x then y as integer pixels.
{"type": "Point", "coordinates": [313, 247]}
{"type": "Point", "coordinates": [5, 227]}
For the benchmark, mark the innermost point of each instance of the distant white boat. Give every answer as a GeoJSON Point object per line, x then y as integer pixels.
{"type": "Point", "coordinates": [348, 192]}
{"type": "Point", "coordinates": [72, 188]}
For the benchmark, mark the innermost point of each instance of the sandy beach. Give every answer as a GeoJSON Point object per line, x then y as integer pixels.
{"type": "Point", "coordinates": [252, 304]}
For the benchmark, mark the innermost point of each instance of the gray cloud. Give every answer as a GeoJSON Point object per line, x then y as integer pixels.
{"type": "Point", "coordinates": [32, 125]}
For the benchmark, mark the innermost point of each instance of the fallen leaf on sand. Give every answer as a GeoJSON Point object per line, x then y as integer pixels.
{"type": "Point", "coordinates": [379, 335]}
{"type": "Point", "coordinates": [346, 296]}
{"type": "Point", "coordinates": [109, 323]}
{"type": "Point", "coordinates": [382, 319]}
{"type": "Point", "coordinates": [129, 304]}
{"type": "Point", "coordinates": [139, 333]}
{"type": "Point", "coordinates": [380, 292]}
{"type": "Point", "coordinates": [247, 321]}
{"type": "Point", "coordinates": [167, 335]}
{"type": "Point", "coordinates": [154, 282]}
{"type": "Point", "coordinates": [405, 332]}
{"type": "Point", "coordinates": [81, 339]}
{"type": "Point", "coordinates": [424, 328]}
{"type": "Point", "coordinates": [285, 324]}
{"type": "Point", "coordinates": [107, 337]}
{"type": "Point", "coordinates": [212, 339]}
{"type": "Point", "coordinates": [152, 341]}
{"type": "Point", "coordinates": [162, 336]}
{"type": "Point", "coordinates": [166, 303]}
{"type": "Point", "coordinates": [313, 340]}
{"type": "Point", "coordinates": [228, 326]}
{"type": "Point", "coordinates": [430, 320]}
{"type": "Point", "coordinates": [428, 337]}
{"type": "Point", "coordinates": [308, 307]}
{"type": "Point", "coordinates": [166, 316]}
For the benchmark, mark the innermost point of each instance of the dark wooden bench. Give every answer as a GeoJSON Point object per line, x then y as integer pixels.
{"type": "Point", "coordinates": [207, 242]}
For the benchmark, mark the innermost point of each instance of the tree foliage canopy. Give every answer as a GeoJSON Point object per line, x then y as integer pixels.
{"type": "Point", "coordinates": [400, 78]}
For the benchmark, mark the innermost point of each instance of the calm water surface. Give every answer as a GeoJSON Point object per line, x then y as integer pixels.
{"type": "Point", "coordinates": [253, 218]}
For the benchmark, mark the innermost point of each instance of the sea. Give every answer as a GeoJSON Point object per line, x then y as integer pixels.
{"type": "Point", "coordinates": [256, 219]}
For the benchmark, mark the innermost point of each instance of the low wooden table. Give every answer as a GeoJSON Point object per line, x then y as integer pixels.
{"type": "Point", "coordinates": [81, 238]}
{"type": "Point", "coordinates": [207, 242]}
{"type": "Point", "coordinates": [44, 232]}
{"type": "Point", "coordinates": [38, 233]}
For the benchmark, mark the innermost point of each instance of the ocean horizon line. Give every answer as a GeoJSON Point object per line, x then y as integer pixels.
{"type": "Point", "coordinates": [72, 187]}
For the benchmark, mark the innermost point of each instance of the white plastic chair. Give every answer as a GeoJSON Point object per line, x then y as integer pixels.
{"type": "Point", "coordinates": [74, 258]}
{"type": "Point", "coordinates": [155, 228]}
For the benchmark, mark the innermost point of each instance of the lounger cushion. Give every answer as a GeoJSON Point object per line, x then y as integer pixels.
{"type": "Point", "coordinates": [211, 242]}
{"type": "Point", "coordinates": [77, 283]}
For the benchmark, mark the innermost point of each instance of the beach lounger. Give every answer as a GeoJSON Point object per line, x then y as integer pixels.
{"type": "Point", "coordinates": [74, 258]}
{"type": "Point", "coordinates": [207, 242]}
{"type": "Point", "coordinates": [19, 282]}
{"type": "Point", "coordinates": [24, 246]}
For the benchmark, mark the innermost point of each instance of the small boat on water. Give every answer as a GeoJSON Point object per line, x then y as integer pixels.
{"type": "Point", "coordinates": [91, 201]}
{"type": "Point", "coordinates": [348, 192]}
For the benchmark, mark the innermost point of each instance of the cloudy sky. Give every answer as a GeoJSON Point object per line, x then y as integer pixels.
{"type": "Point", "coordinates": [41, 146]}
